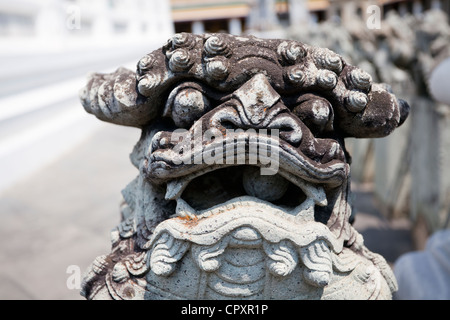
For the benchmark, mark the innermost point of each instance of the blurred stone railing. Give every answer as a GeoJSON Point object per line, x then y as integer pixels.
{"type": "Point", "coordinates": [408, 168]}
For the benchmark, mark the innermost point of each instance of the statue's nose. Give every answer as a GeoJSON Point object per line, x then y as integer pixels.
{"type": "Point", "coordinates": [257, 97]}
{"type": "Point", "coordinates": [258, 106]}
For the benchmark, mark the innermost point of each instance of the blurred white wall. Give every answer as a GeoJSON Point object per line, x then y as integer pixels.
{"type": "Point", "coordinates": [47, 48]}
{"type": "Point", "coordinates": [56, 24]}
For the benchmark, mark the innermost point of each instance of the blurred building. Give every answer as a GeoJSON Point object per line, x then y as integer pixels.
{"type": "Point", "coordinates": [414, 6]}
{"type": "Point", "coordinates": [346, 10]}
{"type": "Point", "coordinates": [234, 17]}
{"type": "Point", "coordinates": [76, 20]}
{"type": "Point", "coordinates": [80, 19]}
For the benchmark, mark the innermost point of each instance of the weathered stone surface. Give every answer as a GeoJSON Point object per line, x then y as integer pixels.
{"type": "Point", "coordinates": [213, 108]}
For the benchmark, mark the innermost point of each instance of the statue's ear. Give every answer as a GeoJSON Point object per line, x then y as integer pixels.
{"type": "Point", "coordinates": [114, 98]}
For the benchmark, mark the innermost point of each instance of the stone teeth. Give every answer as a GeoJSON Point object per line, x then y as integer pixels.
{"type": "Point", "coordinates": [185, 210]}
{"type": "Point", "coordinates": [175, 188]}
{"type": "Point", "coordinates": [316, 193]}
{"type": "Point", "coordinates": [305, 210]}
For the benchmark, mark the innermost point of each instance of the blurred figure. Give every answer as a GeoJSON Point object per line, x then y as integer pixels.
{"type": "Point", "coordinates": [425, 275]}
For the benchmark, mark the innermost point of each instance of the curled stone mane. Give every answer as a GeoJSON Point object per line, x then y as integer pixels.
{"type": "Point", "coordinates": [180, 215]}
{"type": "Point", "coordinates": [224, 62]}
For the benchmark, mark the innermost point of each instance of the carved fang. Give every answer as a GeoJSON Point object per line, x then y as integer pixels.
{"type": "Point", "coordinates": [185, 210]}
{"type": "Point", "coordinates": [175, 188]}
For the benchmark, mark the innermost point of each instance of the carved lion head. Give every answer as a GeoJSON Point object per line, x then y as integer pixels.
{"type": "Point", "coordinates": [242, 151]}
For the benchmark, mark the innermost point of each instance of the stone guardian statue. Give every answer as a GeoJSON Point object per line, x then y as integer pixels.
{"type": "Point", "coordinates": [243, 181]}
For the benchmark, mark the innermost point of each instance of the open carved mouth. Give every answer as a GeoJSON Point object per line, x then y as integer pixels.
{"type": "Point", "coordinates": [299, 186]}
{"type": "Point", "coordinates": [222, 185]}
{"type": "Point", "coordinates": [217, 187]}
{"type": "Point", "coordinates": [291, 169]}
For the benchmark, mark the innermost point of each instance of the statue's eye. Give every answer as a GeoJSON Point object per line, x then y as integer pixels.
{"type": "Point", "coordinates": [185, 105]}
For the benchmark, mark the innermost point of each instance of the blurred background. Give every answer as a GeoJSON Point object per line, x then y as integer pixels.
{"type": "Point", "coordinates": [62, 170]}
